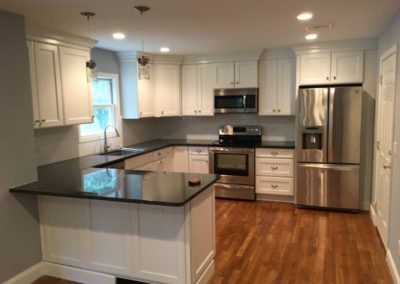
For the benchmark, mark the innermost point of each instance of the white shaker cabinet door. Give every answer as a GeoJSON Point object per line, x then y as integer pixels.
{"type": "Point", "coordinates": [189, 90]}
{"type": "Point", "coordinates": [146, 95]}
{"type": "Point", "coordinates": [75, 87]}
{"type": "Point", "coordinates": [46, 85]}
{"type": "Point", "coordinates": [268, 87]}
{"type": "Point", "coordinates": [168, 98]}
{"type": "Point", "coordinates": [246, 74]}
{"type": "Point", "coordinates": [225, 75]}
{"type": "Point", "coordinates": [347, 67]}
{"type": "Point", "coordinates": [198, 164]}
{"type": "Point", "coordinates": [207, 74]}
{"type": "Point", "coordinates": [286, 87]}
{"type": "Point", "coordinates": [315, 68]}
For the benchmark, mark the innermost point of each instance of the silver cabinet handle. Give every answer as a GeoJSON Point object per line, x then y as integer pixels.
{"type": "Point", "coordinates": [274, 167]}
{"type": "Point", "coordinates": [327, 78]}
{"type": "Point", "coordinates": [274, 153]}
{"type": "Point", "coordinates": [274, 185]}
{"type": "Point", "coordinates": [232, 83]}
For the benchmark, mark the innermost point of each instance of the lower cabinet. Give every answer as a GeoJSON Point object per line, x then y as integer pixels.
{"type": "Point", "coordinates": [181, 159]}
{"type": "Point", "coordinates": [198, 160]}
{"type": "Point", "coordinates": [151, 243]}
{"type": "Point", "coordinates": [275, 171]}
{"type": "Point", "coordinates": [160, 161]}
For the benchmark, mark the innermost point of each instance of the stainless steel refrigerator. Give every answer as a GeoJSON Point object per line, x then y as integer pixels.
{"type": "Point", "coordinates": [329, 121]}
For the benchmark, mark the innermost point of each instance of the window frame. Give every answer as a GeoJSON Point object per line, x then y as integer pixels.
{"type": "Point", "coordinates": [115, 107]}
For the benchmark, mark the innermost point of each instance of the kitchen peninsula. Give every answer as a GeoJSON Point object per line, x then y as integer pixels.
{"type": "Point", "coordinates": [146, 226]}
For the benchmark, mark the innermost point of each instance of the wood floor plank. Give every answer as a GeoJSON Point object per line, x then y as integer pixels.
{"type": "Point", "coordinates": [271, 242]}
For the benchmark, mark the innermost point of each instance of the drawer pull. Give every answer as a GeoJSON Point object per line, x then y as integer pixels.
{"type": "Point", "coordinates": [274, 153]}
{"type": "Point", "coordinates": [274, 185]}
{"type": "Point", "coordinates": [274, 167]}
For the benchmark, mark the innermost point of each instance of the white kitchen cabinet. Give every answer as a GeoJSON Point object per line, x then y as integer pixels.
{"type": "Point", "coordinates": [136, 162]}
{"type": "Point", "coordinates": [167, 90]}
{"type": "Point", "coordinates": [198, 160]}
{"type": "Point", "coordinates": [146, 95]}
{"type": "Point", "coordinates": [198, 83]}
{"type": "Point", "coordinates": [238, 74]}
{"type": "Point", "coordinates": [347, 67]}
{"type": "Point", "coordinates": [145, 167]}
{"type": "Point", "coordinates": [181, 159]}
{"type": "Point", "coordinates": [246, 74]}
{"type": "Point", "coordinates": [275, 171]}
{"type": "Point", "coordinates": [45, 85]}
{"type": "Point", "coordinates": [225, 75]}
{"type": "Point", "coordinates": [315, 68]}
{"type": "Point", "coordinates": [76, 90]}
{"type": "Point", "coordinates": [334, 67]}
{"type": "Point", "coordinates": [277, 87]}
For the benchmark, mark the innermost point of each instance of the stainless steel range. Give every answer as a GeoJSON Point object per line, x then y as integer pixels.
{"type": "Point", "coordinates": [233, 158]}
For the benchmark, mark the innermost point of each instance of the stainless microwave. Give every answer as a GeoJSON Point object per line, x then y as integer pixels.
{"type": "Point", "coordinates": [243, 100]}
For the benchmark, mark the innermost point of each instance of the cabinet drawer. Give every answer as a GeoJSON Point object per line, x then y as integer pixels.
{"type": "Point", "coordinates": [275, 153]}
{"type": "Point", "coordinates": [160, 154]}
{"type": "Point", "coordinates": [274, 185]}
{"type": "Point", "coordinates": [145, 167]}
{"type": "Point", "coordinates": [274, 167]}
{"type": "Point", "coordinates": [198, 151]}
{"type": "Point", "coordinates": [136, 162]}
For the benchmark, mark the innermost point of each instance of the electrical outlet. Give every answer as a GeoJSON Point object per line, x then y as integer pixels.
{"type": "Point", "coordinates": [398, 247]}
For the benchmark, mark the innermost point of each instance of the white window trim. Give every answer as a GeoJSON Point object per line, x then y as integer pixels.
{"type": "Point", "coordinates": [118, 119]}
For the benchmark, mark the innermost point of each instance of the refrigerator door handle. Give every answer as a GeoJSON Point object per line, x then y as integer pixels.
{"type": "Point", "coordinates": [331, 125]}
{"type": "Point", "coordinates": [330, 167]}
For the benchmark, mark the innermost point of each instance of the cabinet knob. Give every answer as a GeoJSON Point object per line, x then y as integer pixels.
{"type": "Point", "coordinates": [199, 111]}
{"type": "Point", "coordinates": [274, 185]}
{"type": "Point", "coordinates": [274, 167]}
{"type": "Point", "coordinates": [334, 77]}
{"type": "Point", "coordinates": [327, 78]}
{"type": "Point", "coordinates": [232, 83]}
{"type": "Point", "coordinates": [278, 110]}
{"type": "Point", "coordinates": [274, 153]}
{"type": "Point", "coordinates": [43, 120]}
{"type": "Point", "coordinates": [195, 111]}
{"type": "Point", "coordinates": [274, 110]}
{"type": "Point", "coordinates": [237, 83]}
{"type": "Point", "coordinates": [162, 112]}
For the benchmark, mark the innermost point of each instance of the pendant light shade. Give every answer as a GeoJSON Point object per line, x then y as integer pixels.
{"type": "Point", "coordinates": [143, 61]}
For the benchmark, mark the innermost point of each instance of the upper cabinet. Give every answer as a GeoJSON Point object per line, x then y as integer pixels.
{"type": "Point", "coordinates": [238, 74]}
{"type": "Point", "coordinates": [45, 85]}
{"type": "Point", "coordinates": [75, 87]}
{"type": "Point", "coordinates": [146, 95]}
{"type": "Point", "coordinates": [167, 90]}
{"type": "Point", "coordinates": [60, 91]}
{"type": "Point", "coordinates": [336, 67]}
{"type": "Point", "coordinates": [198, 83]}
{"type": "Point", "coordinates": [277, 87]}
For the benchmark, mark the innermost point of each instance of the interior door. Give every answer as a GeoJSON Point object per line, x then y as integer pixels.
{"type": "Point", "coordinates": [385, 120]}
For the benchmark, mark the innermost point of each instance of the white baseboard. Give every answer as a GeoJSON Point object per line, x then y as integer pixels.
{"type": "Point", "coordinates": [372, 214]}
{"type": "Point", "coordinates": [61, 271]}
{"type": "Point", "coordinates": [392, 267]}
{"type": "Point", "coordinates": [206, 276]}
{"type": "Point", "coordinates": [29, 275]}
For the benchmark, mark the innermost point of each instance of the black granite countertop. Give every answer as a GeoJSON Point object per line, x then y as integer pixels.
{"type": "Point", "coordinates": [159, 188]}
{"type": "Point", "coordinates": [89, 177]}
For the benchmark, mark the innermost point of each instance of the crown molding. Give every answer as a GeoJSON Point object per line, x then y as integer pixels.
{"type": "Point", "coordinates": [277, 53]}
{"type": "Point", "coordinates": [222, 57]}
{"type": "Point", "coordinates": [58, 37]}
{"type": "Point", "coordinates": [126, 56]}
{"type": "Point", "coordinates": [363, 43]}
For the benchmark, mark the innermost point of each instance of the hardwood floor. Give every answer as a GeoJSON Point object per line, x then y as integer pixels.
{"type": "Point", "coordinates": [270, 242]}
{"type": "Point", "coordinates": [52, 280]}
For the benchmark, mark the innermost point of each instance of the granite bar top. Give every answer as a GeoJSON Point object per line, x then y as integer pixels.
{"type": "Point", "coordinates": [158, 188]}
{"type": "Point", "coordinates": [91, 177]}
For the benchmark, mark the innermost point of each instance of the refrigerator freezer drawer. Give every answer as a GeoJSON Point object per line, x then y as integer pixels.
{"type": "Point", "coordinates": [326, 185]}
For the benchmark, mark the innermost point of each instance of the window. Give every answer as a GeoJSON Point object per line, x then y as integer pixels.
{"type": "Point", "coordinates": [105, 108]}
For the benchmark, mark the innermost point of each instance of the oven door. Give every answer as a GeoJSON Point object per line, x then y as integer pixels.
{"type": "Point", "coordinates": [234, 165]}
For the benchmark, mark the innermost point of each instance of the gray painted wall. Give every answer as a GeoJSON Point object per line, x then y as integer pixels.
{"type": "Point", "coordinates": [389, 37]}
{"type": "Point", "coordinates": [19, 227]}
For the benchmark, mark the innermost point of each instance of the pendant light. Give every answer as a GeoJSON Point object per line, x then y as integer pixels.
{"type": "Point", "coordinates": [144, 68]}
{"type": "Point", "coordinates": [91, 64]}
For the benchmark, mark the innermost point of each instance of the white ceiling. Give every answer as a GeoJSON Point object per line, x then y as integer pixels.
{"type": "Point", "coordinates": [207, 26]}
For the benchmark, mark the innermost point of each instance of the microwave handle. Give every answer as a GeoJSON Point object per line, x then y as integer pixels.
{"type": "Point", "coordinates": [244, 101]}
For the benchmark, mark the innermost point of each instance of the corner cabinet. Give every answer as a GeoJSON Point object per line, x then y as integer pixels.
{"type": "Point", "coordinates": [335, 67]}
{"type": "Point", "coordinates": [238, 74]}
{"type": "Point", "coordinates": [75, 87]}
{"type": "Point", "coordinates": [60, 92]}
{"type": "Point", "coordinates": [277, 87]}
{"type": "Point", "coordinates": [198, 83]}
{"type": "Point", "coordinates": [167, 90]}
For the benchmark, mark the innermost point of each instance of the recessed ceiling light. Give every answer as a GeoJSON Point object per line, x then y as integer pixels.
{"type": "Point", "coordinates": [311, 36]}
{"type": "Point", "coordinates": [118, 35]}
{"type": "Point", "coordinates": [164, 49]}
{"type": "Point", "coordinates": [305, 16]}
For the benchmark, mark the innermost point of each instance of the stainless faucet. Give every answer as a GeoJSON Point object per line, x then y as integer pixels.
{"type": "Point", "coordinates": [105, 137]}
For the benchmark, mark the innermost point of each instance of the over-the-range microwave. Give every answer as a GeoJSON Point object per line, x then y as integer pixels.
{"type": "Point", "coordinates": [243, 100]}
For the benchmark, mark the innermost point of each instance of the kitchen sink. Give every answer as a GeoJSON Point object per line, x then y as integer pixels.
{"type": "Point", "coordinates": [122, 152]}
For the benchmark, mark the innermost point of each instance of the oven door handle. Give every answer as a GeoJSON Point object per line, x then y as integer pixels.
{"type": "Point", "coordinates": [232, 186]}
{"type": "Point", "coordinates": [231, 150]}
